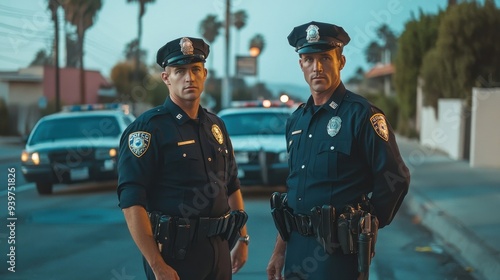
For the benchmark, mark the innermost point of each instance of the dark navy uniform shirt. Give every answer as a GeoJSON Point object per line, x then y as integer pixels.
{"type": "Point", "coordinates": [340, 151]}
{"type": "Point", "coordinates": [176, 165]}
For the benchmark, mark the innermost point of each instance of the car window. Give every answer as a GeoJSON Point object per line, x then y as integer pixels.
{"type": "Point", "coordinates": [255, 123]}
{"type": "Point", "coordinates": [74, 128]}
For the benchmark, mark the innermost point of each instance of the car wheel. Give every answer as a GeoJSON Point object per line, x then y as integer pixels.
{"type": "Point", "coordinates": [44, 188]}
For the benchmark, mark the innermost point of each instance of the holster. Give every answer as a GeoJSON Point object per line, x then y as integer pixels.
{"type": "Point", "coordinates": [237, 220]}
{"type": "Point", "coordinates": [324, 227]}
{"type": "Point", "coordinates": [173, 235]}
{"type": "Point", "coordinates": [357, 233]}
{"type": "Point", "coordinates": [278, 205]}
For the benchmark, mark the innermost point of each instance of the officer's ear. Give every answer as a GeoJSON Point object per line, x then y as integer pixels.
{"type": "Point", "coordinates": [165, 75]}
{"type": "Point", "coordinates": [341, 57]}
{"type": "Point", "coordinates": [342, 61]}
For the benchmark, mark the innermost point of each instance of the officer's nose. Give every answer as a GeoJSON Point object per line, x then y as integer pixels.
{"type": "Point", "coordinates": [190, 77]}
{"type": "Point", "coordinates": [318, 67]}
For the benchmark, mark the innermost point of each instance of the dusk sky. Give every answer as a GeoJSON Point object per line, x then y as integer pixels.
{"type": "Point", "coordinates": [25, 28]}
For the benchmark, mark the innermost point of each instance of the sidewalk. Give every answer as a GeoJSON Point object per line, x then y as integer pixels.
{"type": "Point", "coordinates": [459, 204]}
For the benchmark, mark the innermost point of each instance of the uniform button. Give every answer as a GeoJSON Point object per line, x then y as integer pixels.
{"type": "Point", "coordinates": [184, 155]}
{"type": "Point", "coordinates": [332, 148]}
{"type": "Point", "coordinates": [209, 159]}
{"type": "Point", "coordinates": [303, 166]}
{"type": "Point", "coordinates": [300, 198]}
{"type": "Point", "coordinates": [310, 136]}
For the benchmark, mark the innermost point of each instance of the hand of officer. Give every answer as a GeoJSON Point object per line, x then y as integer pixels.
{"type": "Point", "coordinates": [239, 256]}
{"type": "Point", "coordinates": [277, 261]}
{"type": "Point", "coordinates": [165, 272]}
{"type": "Point", "coordinates": [275, 266]}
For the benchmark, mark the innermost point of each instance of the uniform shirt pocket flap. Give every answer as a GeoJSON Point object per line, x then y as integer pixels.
{"type": "Point", "coordinates": [335, 146]}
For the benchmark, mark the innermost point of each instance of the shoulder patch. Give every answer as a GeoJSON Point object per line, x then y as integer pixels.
{"type": "Point", "coordinates": [138, 142]}
{"type": "Point", "coordinates": [380, 126]}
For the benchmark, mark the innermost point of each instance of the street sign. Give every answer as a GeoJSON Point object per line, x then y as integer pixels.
{"type": "Point", "coordinates": [246, 66]}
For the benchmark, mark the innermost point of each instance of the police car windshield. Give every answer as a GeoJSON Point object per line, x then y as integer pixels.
{"type": "Point", "coordinates": [75, 128]}
{"type": "Point", "coordinates": [255, 123]}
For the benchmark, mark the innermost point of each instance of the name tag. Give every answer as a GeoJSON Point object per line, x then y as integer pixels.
{"type": "Point", "coordinates": [185, 142]}
{"type": "Point", "coordinates": [296, 132]}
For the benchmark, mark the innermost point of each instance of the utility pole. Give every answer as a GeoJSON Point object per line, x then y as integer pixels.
{"type": "Point", "coordinates": [226, 85]}
{"type": "Point", "coordinates": [55, 7]}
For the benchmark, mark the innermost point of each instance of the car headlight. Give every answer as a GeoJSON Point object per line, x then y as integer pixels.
{"type": "Point", "coordinates": [34, 158]}
{"type": "Point", "coordinates": [105, 153]}
{"type": "Point", "coordinates": [283, 157]}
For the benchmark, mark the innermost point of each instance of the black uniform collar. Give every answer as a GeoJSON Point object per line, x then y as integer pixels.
{"type": "Point", "coordinates": [179, 114]}
{"type": "Point", "coordinates": [333, 103]}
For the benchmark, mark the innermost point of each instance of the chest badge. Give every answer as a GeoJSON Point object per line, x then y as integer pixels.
{"type": "Point", "coordinates": [333, 126]}
{"type": "Point", "coordinates": [380, 126]}
{"type": "Point", "coordinates": [138, 142]}
{"type": "Point", "coordinates": [217, 134]}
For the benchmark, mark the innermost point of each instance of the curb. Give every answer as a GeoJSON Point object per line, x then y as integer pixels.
{"type": "Point", "coordinates": [460, 241]}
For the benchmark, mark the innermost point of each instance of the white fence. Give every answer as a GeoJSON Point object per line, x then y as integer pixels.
{"type": "Point", "coordinates": [445, 130]}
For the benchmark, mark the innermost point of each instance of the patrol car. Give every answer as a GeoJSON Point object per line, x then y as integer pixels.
{"type": "Point", "coordinates": [259, 144]}
{"type": "Point", "coordinates": [79, 144]}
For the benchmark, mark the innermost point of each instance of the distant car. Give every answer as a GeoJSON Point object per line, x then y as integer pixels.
{"type": "Point", "coordinates": [76, 145]}
{"type": "Point", "coordinates": [258, 138]}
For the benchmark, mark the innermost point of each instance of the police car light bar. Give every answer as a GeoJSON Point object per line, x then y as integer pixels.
{"type": "Point", "coordinates": [96, 107]}
{"type": "Point", "coordinates": [258, 103]}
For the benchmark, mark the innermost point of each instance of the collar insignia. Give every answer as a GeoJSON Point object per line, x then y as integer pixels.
{"type": "Point", "coordinates": [179, 116]}
{"type": "Point", "coordinates": [138, 142]}
{"type": "Point", "coordinates": [334, 105]}
{"type": "Point", "coordinates": [380, 126]}
{"type": "Point", "coordinates": [333, 126]}
{"type": "Point", "coordinates": [217, 134]}
{"type": "Point", "coordinates": [186, 46]}
{"type": "Point", "coordinates": [312, 33]}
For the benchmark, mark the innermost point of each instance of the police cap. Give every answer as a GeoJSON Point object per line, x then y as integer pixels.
{"type": "Point", "coordinates": [316, 37]}
{"type": "Point", "coordinates": [182, 51]}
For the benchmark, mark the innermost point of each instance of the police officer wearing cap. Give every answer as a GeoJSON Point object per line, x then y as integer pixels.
{"type": "Point", "coordinates": [176, 163]}
{"type": "Point", "coordinates": [341, 150]}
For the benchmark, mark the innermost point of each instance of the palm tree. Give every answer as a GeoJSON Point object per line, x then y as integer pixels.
{"type": "Point", "coordinates": [239, 20]}
{"type": "Point", "coordinates": [389, 41]}
{"type": "Point", "coordinates": [142, 11]}
{"type": "Point", "coordinates": [82, 15]}
{"type": "Point", "coordinates": [209, 29]}
{"type": "Point", "coordinates": [373, 53]}
{"type": "Point", "coordinates": [377, 52]}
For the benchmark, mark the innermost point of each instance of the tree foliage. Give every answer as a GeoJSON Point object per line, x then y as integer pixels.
{"type": "Point", "coordinates": [466, 54]}
{"type": "Point", "coordinates": [42, 58]}
{"type": "Point", "coordinates": [129, 89]}
{"type": "Point", "coordinates": [210, 30]}
{"type": "Point", "coordinates": [387, 43]}
{"type": "Point", "coordinates": [418, 37]}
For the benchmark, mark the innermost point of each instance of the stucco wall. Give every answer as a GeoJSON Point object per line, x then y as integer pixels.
{"type": "Point", "coordinates": [485, 131]}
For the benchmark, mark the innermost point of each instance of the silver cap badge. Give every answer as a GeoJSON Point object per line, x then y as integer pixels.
{"type": "Point", "coordinates": [312, 33]}
{"type": "Point", "coordinates": [186, 46]}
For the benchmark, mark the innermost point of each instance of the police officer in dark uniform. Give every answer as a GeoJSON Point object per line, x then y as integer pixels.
{"type": "Point", "coordinates": [342, 151]}
{"type": "Point", "coordinates": [178, 185]}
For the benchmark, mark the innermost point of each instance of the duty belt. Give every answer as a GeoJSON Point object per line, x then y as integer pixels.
{"type": "Point", "coordinates": [211, 226]}
{"type": "Point", "coordinates": [177, 233]}
{"type": "Point", "coordinates": [299, 222]}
